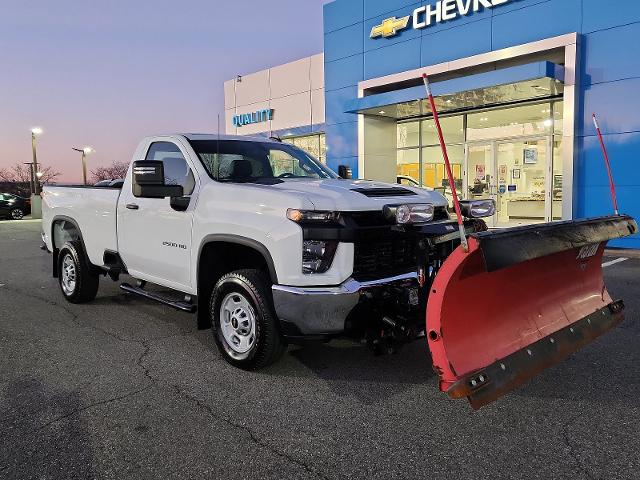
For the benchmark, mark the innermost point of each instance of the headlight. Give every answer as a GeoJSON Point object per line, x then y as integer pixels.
{"type": "Point", "coordinates": [409, 214]}
{"type": "Point", "coordinates": [317, 255]}
{"type": "Point", "coordinates": [478, 208]}
{"type": "Point", "coordinates": [312, 216]}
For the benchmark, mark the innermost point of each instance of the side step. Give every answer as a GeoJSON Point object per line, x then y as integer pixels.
{"type": "Point", "coordinates": [177, 304]}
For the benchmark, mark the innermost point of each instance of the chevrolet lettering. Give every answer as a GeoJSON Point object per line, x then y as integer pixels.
{"type": "Point", "coordinates": [429, 15]}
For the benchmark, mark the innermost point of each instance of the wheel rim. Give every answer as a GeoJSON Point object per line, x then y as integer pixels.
{"type": "Point", "coordinates": [17, 214]}
{"type": "Point", "coordinates": [68, 274]}
{"type": "Point", "coordinates": [238, 322]}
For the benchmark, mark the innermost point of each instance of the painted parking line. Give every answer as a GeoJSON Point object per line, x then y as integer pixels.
{"type": "Point", "coordinates": [614, 262]}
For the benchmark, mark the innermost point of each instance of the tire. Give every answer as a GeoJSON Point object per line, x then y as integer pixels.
{"type": "Point", "coordinates": [17, 214]}
{"type": "Point", "coordinates": [243, 320]}
{"type": "Point", "coordinates": [78, 283]}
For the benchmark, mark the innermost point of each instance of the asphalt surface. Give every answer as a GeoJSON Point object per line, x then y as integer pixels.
{"type": "Point", "coordinates": [124, 388]}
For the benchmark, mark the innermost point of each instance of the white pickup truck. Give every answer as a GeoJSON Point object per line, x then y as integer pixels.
{"type": "Point", "coordinates": [265, 242]}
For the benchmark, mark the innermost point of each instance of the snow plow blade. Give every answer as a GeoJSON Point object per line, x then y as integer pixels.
{"type": "Point", "coordinates": [519, 301]}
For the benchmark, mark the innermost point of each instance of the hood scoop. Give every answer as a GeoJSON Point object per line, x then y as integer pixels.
{"type": "Point", "coordinates": [384, 192]}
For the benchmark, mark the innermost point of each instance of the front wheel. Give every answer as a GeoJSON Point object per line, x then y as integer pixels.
{"type": "Point", "coordinates": [78, 282]}
{"type": "Point", "coordinates": [17, 214]}
{"type": "Point", "coordinates": [244, 324]}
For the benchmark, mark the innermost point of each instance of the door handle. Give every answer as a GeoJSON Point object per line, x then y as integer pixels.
{"type": "Point", "coordinates": [132, 206]}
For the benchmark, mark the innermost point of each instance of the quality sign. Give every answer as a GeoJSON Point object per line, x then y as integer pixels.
{"type": "Point", "coordinates": [428, 15]}
{"type": "Point", "coordinates": [253, 117]}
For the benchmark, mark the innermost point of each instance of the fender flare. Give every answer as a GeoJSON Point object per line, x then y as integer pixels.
{"type": "Point", "coordinates": [239, 240]}
{"type": "Point", "coordinates": [56, 249]}
{"type": "Point", "coordinates": [203, 313]}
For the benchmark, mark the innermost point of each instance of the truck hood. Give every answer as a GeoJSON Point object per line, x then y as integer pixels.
{"type": "Point", "coordinates": [357, 195]}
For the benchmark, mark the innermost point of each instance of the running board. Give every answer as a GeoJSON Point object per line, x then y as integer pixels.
{"type": "Point", "coordinates": [177, 304]}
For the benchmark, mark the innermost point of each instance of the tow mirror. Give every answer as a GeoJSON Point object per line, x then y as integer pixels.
{"type": "Point", "coordinates": [148, 181]}
{"type": "Point", "coordinates": [345, 172]}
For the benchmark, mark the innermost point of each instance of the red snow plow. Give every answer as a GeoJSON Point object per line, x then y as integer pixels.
{"type": "Point", "coordinates": [539, 293]}
{"type": "Point", "coordinates": [540, 296]}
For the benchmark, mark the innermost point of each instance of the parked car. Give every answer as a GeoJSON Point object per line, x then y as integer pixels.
{"type": "Point", "coordinates": [271, 247]}
{"type": "Point", "coordinates": [13, 206]}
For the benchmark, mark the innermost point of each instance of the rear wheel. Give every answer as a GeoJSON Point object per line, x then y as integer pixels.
{"type": "Point", "coordinates": [77, 281]}
{"type": "Point", "coordinates": [17, 214]}
{"type": "Point", "coordinates": [244, 324]}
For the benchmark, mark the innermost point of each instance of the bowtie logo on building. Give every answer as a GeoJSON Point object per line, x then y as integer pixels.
{"type": "Point", "coordinates": [432, 14]}
{"type": "Point", "coordinates": [390, 27]}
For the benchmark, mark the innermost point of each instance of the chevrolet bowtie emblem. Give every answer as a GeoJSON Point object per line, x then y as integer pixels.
{"type": "Point", "coordinates": [390, 27]}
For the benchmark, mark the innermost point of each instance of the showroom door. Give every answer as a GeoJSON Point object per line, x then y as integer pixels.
{"type": "Point", "coordinates": [480, 173]}
{"type": "Point", "coordinates": [515, 173]}
{"type": "Point", "coordinates": [522, 177]}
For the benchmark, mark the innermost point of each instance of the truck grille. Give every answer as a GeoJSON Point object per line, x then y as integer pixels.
{"type": "Point", "coordinates": [384, 258]}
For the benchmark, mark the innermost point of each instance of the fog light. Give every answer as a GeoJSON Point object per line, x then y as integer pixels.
{"type": "Point", "coordinates": [409, 214]}
{"type": "Point", "coordinates": [478, 208]}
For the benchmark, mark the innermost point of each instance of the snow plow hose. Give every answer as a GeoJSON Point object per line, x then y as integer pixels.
{"type": "Point", "coordinates": [520, 301]}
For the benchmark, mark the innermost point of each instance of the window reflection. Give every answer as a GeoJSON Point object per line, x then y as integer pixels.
{"type": "Point", "coordinates": [314, 144]}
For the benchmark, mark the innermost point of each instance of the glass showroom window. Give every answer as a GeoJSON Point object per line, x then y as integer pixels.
{"type": "Point", "coordinates": [558, 111]}
{"type": "Point", "coordinates": [408, 157]}
{"type": "Point", "coordinates": [314, 144]}
{"type": "Point", "coordinates": [419, 159]}
{"type": "Point", "coordinates": [523, 121]}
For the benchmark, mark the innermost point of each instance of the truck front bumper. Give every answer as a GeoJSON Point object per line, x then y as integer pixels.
{"type": "Point", "coordinates": [324, 310]}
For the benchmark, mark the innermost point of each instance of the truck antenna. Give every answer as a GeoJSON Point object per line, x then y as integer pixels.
{"type": "Point", "coordinates": [452, 183]}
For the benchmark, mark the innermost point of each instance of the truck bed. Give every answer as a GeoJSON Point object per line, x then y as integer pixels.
{"type": "Point", "coordinates": [92, 209]}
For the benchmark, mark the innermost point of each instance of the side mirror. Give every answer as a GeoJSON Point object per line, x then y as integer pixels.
{"type": "Point", "coordinates": [148, 181]}
{"type": "Point", "coordinates": [345, 172]}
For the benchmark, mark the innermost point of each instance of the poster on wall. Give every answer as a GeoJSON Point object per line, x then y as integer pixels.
{"type": "Point", "coordinates": [557, 182]}
{"type": "Point", "coordinates": [516, 173]}
{"type": "Point", "coordinates": [502, 173]}
{"type": "Point", "coordinates": [530, 156]}
{"type": "Point", "coordinates": [480, 172]}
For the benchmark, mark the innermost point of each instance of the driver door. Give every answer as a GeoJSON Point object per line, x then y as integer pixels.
{"type": "Point", "coordinates": [154, 238]}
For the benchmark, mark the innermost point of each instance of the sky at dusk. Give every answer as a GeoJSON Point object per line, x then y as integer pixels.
{"type": "Point", "coordinates": [107, 73]}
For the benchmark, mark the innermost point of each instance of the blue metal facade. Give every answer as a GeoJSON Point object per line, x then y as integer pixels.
{"type": "Point", "coordinates": [609, 85]}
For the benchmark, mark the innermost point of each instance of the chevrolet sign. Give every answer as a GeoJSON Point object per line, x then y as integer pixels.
{"type": "Point", "coordinates": [390, 27]}
{"type": "Point", "coordinates": [428, 15]}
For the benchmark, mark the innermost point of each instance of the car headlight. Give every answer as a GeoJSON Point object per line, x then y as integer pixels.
{"type": "Point", "coordinates": [312, 216]}
{"type": "Point", "coordinates": [317, 255]}
{"type": "Point", "coordinates": [478, 208]}
{"type": "Point", "coordinates": [409, 214]}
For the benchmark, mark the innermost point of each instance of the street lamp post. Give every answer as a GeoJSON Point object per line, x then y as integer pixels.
{"type": "Point", "coordinates": [31, 179]}
{"type": "Point", "coordinates": [34, 168]}
{"type": "Point", "coordinates": [85, 151]}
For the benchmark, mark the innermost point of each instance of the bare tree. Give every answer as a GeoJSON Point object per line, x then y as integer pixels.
{"type": "Point", "coordinates": [22, 173]}
{"type": "Point", "coordinates": [113, 171]}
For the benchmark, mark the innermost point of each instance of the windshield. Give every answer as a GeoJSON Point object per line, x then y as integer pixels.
{"type": "Point", "coordinates": [257, 162]}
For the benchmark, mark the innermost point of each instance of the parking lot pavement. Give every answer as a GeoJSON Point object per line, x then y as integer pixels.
{"type": "Point", "coordinates": [123, 388]}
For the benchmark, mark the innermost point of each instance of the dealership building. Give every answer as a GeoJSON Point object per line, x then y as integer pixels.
{"type": "Point", "coordinates": [516, 83]}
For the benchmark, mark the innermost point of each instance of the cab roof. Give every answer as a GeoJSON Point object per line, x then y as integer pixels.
{"type": "Point", "coordinates": [215, 136]}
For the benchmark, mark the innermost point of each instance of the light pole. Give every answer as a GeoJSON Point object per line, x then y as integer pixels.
{"type": "Point", "coordinates": [31, 179]}
{"type": "Point", "coordinates": [34, 168]}
{"type": "Point", "coordinates": [85, 151]}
